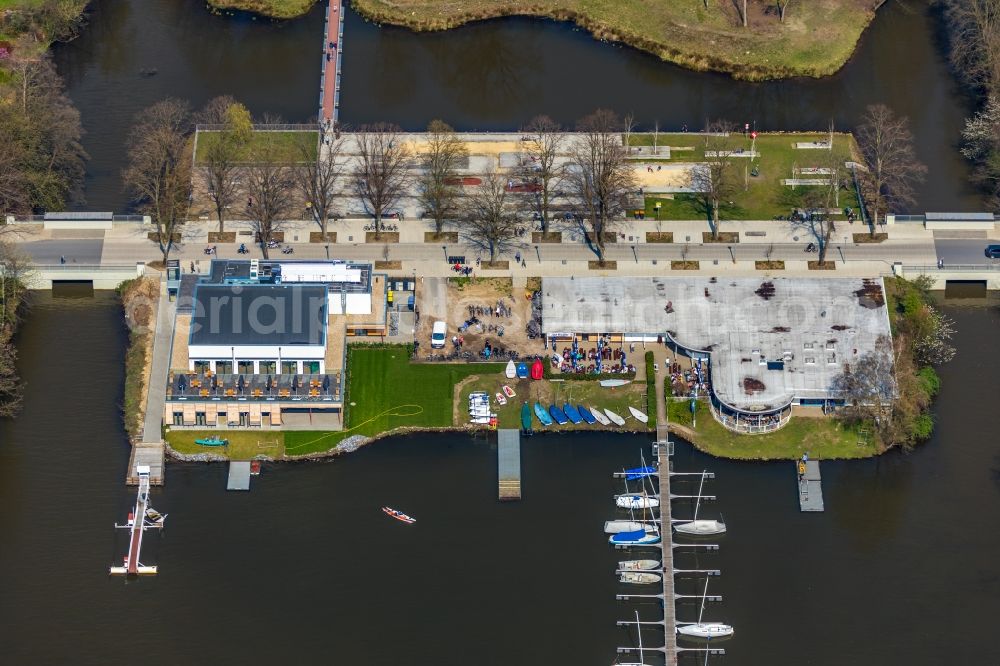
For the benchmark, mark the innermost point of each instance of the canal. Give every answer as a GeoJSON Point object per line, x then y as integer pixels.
{"type": "Point", "coordinates": [488, 76]}
{"type": "Point", "coordinates": [901, 569]}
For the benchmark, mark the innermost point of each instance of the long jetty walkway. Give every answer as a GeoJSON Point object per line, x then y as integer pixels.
{"type": "Point", "coordinates": [667, 544]}
{"type": "Point", "coordinates": [329, 86]}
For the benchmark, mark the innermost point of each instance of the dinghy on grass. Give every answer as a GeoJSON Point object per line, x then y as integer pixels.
{"type": "Point", "coordinates": [571, 413]}
{"type": "Point", "coordinates": [612, 383]}
{"type": "Point", "coordinates": [586, 415]}
{"type": "Point", "coordinates": [639, 416]}
{"type": "Point", "coordinates": [543, 416]}
{"type": "Point", "coordinates": [511, 370]}
{"type": "Point", "coordinates": [614, 418]}
{"type": "Point", "coordinates": [599, 416]}
{"type": "Point", "coordinates": [557, 415]}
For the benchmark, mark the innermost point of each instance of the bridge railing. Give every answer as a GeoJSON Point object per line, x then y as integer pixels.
{"type": "Point", "coordinates": [951, 268]}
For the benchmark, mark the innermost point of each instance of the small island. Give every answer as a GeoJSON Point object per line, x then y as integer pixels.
{"type": "Point", "coordinates": [777, 39]}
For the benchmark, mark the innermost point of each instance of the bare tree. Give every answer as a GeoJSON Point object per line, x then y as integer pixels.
{"type": "Point", "coordinates": [158, 174]}
{"type": "Point", "coordinates": [974, 41]}
{"type": "Point", "coordinates": [221, 162]}
{"type": "Point", "coordinates": [820, 200]}
{"type": "Point", "coordinates": [318, 179]}
{"type": "Point", "coordinates": [893, 170]}
{"type": "Point", "coordinates": [491, 220]}
{"type": "Point", "coordinates": [715, 179]}
{"type": "Point", "coordinates": [868, 386]}
{"type": "Point", "coordinates": [438, 189]}
{"type": "Point", "coordinates": [381, 176]}
{"type": "Point", "coordinates": [600, 180]}
{"type": "Point", "coordinates": [782, 7]}
{"type": "Point", "coordinates": [542, 142]}
{"type": "Point", "coordinates": [269, 186]}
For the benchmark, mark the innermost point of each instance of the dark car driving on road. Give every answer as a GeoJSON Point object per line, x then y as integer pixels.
{"type": "Point", "coordinates": [993, 251]}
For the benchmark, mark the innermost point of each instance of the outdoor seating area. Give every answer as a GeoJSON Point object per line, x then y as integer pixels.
{"type": "Point", "coordinates": [694, 380]}
{"type": "Point", "coordinates": [308, 387]}
{"type": "Point", "coordinates": [602, 358]}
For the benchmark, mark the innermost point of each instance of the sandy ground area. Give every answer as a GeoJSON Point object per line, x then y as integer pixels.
{"type": "Point", "coordinates": [663, 175]}
{"type": "Point", "coordinates": [477, 147]}
{"type": "Point", "coordinates": [481, 293]}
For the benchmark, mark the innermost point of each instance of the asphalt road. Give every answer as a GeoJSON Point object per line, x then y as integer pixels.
{"type": "Point", "coordinates": [76, 251]}
{"type": "Point", "coordinates": [971, 251]}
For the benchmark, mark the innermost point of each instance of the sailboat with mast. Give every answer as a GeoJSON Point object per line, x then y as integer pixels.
{"type": "Point", "coordinates": [636, 500]}
{"type": "Point", "coordinates": [701, 629]}
{"type": "Point", "coordinates": [638, 631]}
{"type": "Point", "coordinates": [648, 535]}
{"type": "Point", "coordinates": [696, 527]}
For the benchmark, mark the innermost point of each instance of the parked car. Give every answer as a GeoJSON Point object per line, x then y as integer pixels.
{"type": "Point", "coordinates": [993, 251]}
{"type": "Point", "coordinates": [438, 334]}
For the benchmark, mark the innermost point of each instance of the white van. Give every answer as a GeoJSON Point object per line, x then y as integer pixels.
{"type": "Point", "coordinates": [438, 334]}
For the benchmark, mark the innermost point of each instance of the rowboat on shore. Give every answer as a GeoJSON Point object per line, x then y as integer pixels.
{"type": "Point", "coordinates": [214, 440]}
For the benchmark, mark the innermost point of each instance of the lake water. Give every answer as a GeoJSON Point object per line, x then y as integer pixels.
{"type": "Point", "coordinates": [487, 76]}
{"type": "Point", "coordinates": [901, 569]}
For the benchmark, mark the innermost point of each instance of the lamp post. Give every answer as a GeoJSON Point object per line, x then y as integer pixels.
{"type": "Point", "coordinates": [732, 255]}
{"type": "Point", "coordinates": [538, 254]}
{"type": "Point", "coordinates": [635, 254]}
{"type": "Point", "coordinates": [444, 248]}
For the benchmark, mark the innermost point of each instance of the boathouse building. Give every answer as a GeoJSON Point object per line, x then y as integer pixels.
{"type": "Point", "coordinates": [770, 344]}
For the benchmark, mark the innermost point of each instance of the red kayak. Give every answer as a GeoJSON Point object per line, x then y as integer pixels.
{"type": "Point", "coordinates": [399, 515]}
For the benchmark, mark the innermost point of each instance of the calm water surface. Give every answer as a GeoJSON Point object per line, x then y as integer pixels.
{"type": "Point", "coordinates": [488, 76]}
{"type": "Point", "coordinates": [901, 569]}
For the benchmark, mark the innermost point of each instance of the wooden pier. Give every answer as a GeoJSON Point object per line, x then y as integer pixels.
{"type": "Point", "coordinates": [667, 549]}
{"type": "Point", "coordinates": [239, 475]}
{"type": "Point", "coordinates": [137, 524]}
{"type": "Point", "coordinates": [810, 485]}
{"type": "Point", "coordinates": [509, 464]}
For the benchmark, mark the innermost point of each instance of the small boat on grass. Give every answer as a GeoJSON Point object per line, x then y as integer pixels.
{"type": "Point", "coordinates": [639, 416]}
{"type": "Point", "coordinates": [399, 515]}
{"type": "Point", "coordinates": [508, 391]}
{"type": "Point", "coordinates": [557, 415]}
{"type": "Point", "coordinates": [639, 577]}
{"type": "Point", "coordinates": [571, 413]}
{"type": "Point", "coordinates": [599, 416]}
{"type": "Point", "coordinates": [636, 502]}
{"type": "Point", "coordinates": [612, 383]}
{"type": "Point", "coordinates": [522, 370]}
{"type": "Point", "coordinates": [501, 399]}
{"type": "Point", "coordinates": [525, 419]}
{"type": "Point", "coordinates": [511, 370]}
{"type": "Point", "coordinates": [639, 565]}
{"type": "Point", "coordinates": [614, 418]}
{"type": "Point", "coordinates": [214, 440]}
{"type": "Point", "coordinates": [543, 416]}
{"type": "Point", "coordinates": [619, 526]}
{"type": "Point", "coordinates": [586, 415]}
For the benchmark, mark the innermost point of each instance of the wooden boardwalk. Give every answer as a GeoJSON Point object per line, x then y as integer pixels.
{"type": "Point", "coordinates": [329, 88]}
{"type": "Point", "coordinates": [667, 547]}
{"type": "Point", "coordinates": [509, 464]}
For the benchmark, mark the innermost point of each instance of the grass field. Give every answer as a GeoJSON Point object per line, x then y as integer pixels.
{"type": "Point", "coordinates": [822, 438]}
{"type": "Point", "coordinates": [765, 196]}
{"type": "Point", "coordinates": [815, 39]}
{"type": "Point", "coordinates": [290, 146]}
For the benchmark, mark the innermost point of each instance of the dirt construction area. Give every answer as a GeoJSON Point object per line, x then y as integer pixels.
{"type": "Point", "coordinates": [477, 310]}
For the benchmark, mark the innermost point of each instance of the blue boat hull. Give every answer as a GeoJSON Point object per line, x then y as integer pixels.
{"type": "Point", "coordinates": [543, 416]}
{"type": "Point", "coordinates": [641, 538]}
{"type": "Point", "coordinates": [571, 413]}
{"type": "Point", "coordinates": [557, 415]}
{"type": "Point", "coordinates": [522, 370]}
{"type": "Point", "coordinates": [586, 415]}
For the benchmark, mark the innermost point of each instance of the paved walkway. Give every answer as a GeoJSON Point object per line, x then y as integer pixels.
{"type": "Point", "coordinates": [158, 375]}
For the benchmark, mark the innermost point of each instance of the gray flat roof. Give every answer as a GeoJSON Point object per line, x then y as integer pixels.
{"type": "Point", "coordinates": [259, 315]}
{"type": "Point", "coordinates": [770, 339]}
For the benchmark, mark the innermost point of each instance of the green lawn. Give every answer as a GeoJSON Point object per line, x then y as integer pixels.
{"type": "Point", "coordinates": [243, 444]}
{"type": "Point", "coordinates": [289, 146]}
{"type": "Point", "coordinates": [822, 438]}
{"type": "Point", "coordinates": [765, 196]}
{"type": "Point", "coordinates": [385, 391]}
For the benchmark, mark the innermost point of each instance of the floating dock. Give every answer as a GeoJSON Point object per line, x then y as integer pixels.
{"type": "Point", "coordinates": [509, 464]}
{"type": "Point", "coordinates": [239, 475]}
{"type": "Point", "coordinates": [810, 486]}
{"type": "Point", "coordinates": [136, 525]}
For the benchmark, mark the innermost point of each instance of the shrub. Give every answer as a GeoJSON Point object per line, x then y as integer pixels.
{"type": "Point", "coordinates": [922, 427]}
{"type": "Point", "coordinates": [929, 380]}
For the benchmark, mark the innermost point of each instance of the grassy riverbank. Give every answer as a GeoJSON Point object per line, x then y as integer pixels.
{"type": "Point", "coordinates": [139, 299]}
{"type": "Point", "coordinates": [815, 38]}
{"type": "Point", "coordinates": [821, 438]}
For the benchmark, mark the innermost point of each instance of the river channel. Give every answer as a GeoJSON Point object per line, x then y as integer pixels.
{"type": "Point", "coordinates": [304, 568]}
{"type": "Point", "coordinates": [488, 76]}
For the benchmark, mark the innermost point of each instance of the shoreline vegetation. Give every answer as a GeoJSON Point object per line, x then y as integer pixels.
{"type": "Point", "coordinates": [774, 40]}
{"type": "Point", "coordinates": [139, 299]}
